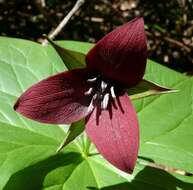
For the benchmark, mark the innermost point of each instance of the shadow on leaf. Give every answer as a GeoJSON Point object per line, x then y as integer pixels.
{"type": "Point", "coordinates": [54, 171]}
{"type": "Point", "coordinates": [151, 179]}
{"type": "Point", "coordinates": [146, 159]}
{"type": "Point", "coordinates": [32, 178]}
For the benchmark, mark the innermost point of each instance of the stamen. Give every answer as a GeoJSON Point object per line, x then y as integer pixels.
{"type": "Point", "coordinates": [94, 97]}
{"type": "Point", "coordinates": [112, 92]}
{"type": "Point", "coordinates": [105, 101]}
{"type": "Point", "coordinates": [91, 106]}
{"type": "Point", "coordinates": [89, 91]}
{"type": "Point", "coordinates": [92, 79]}
{"type": "Point", "coordinates": [103, 86]}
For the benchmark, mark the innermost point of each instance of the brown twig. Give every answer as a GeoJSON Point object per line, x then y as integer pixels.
{"type": "Point", "coordinates": [64, 21]}
{"type": "Point", "coordinates": [177, 43]}
{"type": "Point", "coordinates": [165, 168]}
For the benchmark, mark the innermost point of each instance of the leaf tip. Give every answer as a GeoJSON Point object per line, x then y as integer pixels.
{"type": "Point", "coordinates": [59, 149]}
{"type": "Point", "coordinates": [16, 105]}
{"type": "Point", "coordinates": [168, 90]}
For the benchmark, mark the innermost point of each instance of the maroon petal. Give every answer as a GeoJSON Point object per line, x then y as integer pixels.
{"type": "Point", "coordinates": [58, 99]}
{"type": "Point", "coordinates": [121, 54]}
{"type": "Point", "coordinates": [115, 133]}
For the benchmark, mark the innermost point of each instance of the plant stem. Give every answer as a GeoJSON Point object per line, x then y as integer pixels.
{"type": "Point", "coordinates": [87, 147]}
{"type": "Point", "coordinates": [64, 21]}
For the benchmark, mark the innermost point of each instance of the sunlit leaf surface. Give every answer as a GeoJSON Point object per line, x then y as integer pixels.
{"type": "Point", "coordinates": [28, 158]}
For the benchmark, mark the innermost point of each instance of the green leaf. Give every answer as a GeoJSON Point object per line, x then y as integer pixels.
{"type": "Point", "coordinates": [148, 88]}
{"type": "Point", "coordinates": [24, 142]}
{"type": "Point", "coordinates": [72, 59]}
{"type": "Point", "coordinates": [28, 158]}
{"type": "Point", "coordinates": [73, 132]}
{"type": "Point", "coordinates": [166, 120]}
{"type": "Point", "coordinates": [69, 171]}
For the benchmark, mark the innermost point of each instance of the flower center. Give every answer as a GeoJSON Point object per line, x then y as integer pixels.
{"type": "Point", "coordinates": [101, 90]}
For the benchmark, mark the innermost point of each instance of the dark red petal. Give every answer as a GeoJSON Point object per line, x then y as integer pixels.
{"type": "Point", "coordinates": [58, 99]}
{"type": "Point", "coordinates": [115, 133]}
{"type": "Point", "coordinates": [121, 54]}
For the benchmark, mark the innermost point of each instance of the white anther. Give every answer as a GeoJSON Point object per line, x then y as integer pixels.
{"type": "Point", "coordinates": [103, 86]}
{"type": "Point", "coordinates": [91, 106]}
{"type": "Point", "coordinates": [105, 101]}
{"type": "Point", "coordinates": [112, 92]}
{"type": "Point", "coordinates": [89, 91]}
{"type": "Point", "coordinates": [94, 97]}
{"type": "Point", "coordinates": [92, 79]}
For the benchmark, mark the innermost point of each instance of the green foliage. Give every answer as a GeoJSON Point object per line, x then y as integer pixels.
{"type": "Point", "coordinates": [28, 158]}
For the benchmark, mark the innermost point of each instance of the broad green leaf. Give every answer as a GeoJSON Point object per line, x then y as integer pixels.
{"type": "Point", "coordinates": [22, 64]}
{"type": "Point", "coordinates": [166, 120]}
{"type": "Point", "coordinates": [70, 171]}
{"type": "Point", "coordinates": [28, 158]}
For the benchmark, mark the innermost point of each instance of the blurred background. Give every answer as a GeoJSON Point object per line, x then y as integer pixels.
{"type": "Point", "coordinates": [168, 24]}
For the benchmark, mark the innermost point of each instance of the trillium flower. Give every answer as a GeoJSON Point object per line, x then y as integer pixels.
{"type": "Point", "coordinates": [98, 93]}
